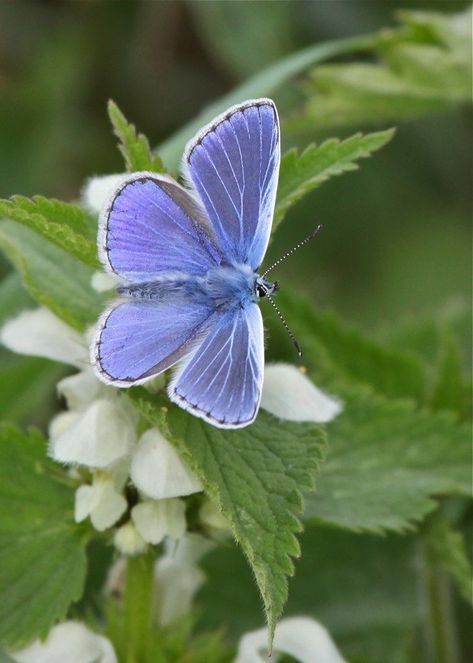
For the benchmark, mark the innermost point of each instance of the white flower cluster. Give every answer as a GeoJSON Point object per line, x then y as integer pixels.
{"type": "Point", "coordinates": [98, 431]}
{"type": "Point", "coordinates": [302, 638]}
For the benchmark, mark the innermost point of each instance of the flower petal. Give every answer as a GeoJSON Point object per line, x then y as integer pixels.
{"type": "Point", "coordinates": [177, 583]}
{"type": "Point", "coordinates": [289, 394]}
{"type": "Point", "coordinates": [100, 501]}
{"type": "Point", "coordinates": [103, 282]}
{"type": "Point", "coordinates": [80, 389]}
{"type": "Point", "coordinates": [42, 334]}
{"type": "Point", "coordinates": [156, 519]}
{"type": "Point", "coordinates": [302, 638]}
{"type": "Point", "coordinates": [158, 472]}
{"type": "Point", "coordinates": [100, 435]}
{"type": "Point", "coordinates": [128, 540]}
{"type": "Point", "coordinates": [98, 190]}
{"type": "Point", "coordinates": [70, 641]}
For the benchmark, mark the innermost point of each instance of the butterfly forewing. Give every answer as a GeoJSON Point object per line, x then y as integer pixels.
{"type": "Point", "coordinates": [234, 166]}
{"type": "Point", "coordinates": [151, 226]}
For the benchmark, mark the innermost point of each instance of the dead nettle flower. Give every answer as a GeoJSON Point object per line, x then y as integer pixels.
{"type": "Point", "coordinates": [70, 641]}
{"type": "Point", "coordinates": [98, 431]}
{"type": "Point", "coordinates": [177, 575]}
{"type": "Point", "coordinates": [302, 638]}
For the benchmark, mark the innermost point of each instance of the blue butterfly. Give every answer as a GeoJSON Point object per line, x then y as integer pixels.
{"type": "Point", "coordinates": [188, 258]}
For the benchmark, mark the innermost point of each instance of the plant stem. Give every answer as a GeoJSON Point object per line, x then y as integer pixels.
{"type": "Point", "coordinates": [437, 619]}
{"type": "Point", "coordinates": [138, 605]}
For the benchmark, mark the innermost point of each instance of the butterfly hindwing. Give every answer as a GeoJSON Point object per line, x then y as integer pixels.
{"type": "Point", "coordinates": [136, 340]}
{"type": "Point", "coordinates": [152, 225]}
{"type": "Point", "coordinates": [234, 164]}
{"type": "Point", "coordinates": [222, 381]}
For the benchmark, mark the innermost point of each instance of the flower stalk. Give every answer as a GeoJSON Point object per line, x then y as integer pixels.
{"type": "Point", "coordinates": [138, 606]}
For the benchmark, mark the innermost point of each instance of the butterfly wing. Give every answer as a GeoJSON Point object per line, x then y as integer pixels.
{"type": "Point", "coordinates": [152, 225]}
{"type": "Point", "coordinates": [234, 165]}
{"type": "Point", "coordinates": [136, 340]}
{"type": "Point", "coordinates": [222, 381]}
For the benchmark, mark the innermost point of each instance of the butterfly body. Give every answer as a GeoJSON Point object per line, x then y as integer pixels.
{"type": "Point", "coordinates": [188, 261]}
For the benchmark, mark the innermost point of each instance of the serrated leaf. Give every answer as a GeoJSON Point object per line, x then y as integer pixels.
{"type": "Point", "coordinates": [300, 173]}
{"type": "Point", "coordinates": [42, 557]}
{"type": "Point", "coordinates": [386, 463]}
{"type": "Point", "coordinates": [53, 278]}
{"type": "Point", "coordinates": [256, 476]}
{"type": "Point", "coordinates": [423, 67]}
{"type": "Point", "coordinates": [133, 146]}
{"type": "Point", "coordinates": [340, 352]}
{"type": "Point", "coordinates": [66, 225]}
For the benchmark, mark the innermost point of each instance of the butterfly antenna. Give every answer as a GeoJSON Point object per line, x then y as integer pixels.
{"type": "Point", "coordinates": [286, 326]}
{"type": "Point", "coordinates": [295, 248]}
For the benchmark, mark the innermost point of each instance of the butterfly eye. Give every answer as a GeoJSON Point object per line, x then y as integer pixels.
{"type": "Point", "coordinates": [261, 291]}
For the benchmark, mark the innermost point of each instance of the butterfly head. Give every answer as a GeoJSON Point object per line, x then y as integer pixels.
{"type": "Point", "coordinates": [265, 288]}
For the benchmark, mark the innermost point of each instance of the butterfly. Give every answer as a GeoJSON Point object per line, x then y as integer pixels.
{"type": "Point", "coordinates": [188, 258]}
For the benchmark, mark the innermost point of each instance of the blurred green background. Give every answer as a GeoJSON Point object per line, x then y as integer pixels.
{"type": "Point", "coordinates": [396, 239]}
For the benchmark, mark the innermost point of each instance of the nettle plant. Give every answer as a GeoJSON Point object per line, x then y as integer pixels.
{"type": "Point", "coordinates": [106, 522]}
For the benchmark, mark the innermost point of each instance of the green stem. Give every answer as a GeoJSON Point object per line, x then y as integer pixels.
{"type": "Point", "coordinates": [138, 606]}
{"type": "Point", "coordinates": [437, 619]}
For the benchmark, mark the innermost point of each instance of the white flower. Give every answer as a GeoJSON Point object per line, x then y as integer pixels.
{"type": "Point", "coordinates": [178, 577]}
{"type": "Point", "coordinates": [158, 471]}
{"type": "Point", "coordinates": [42, 334]}
{"type": "Point", "coordinates": [100, 501]}
{"type": "Point", "coordinates": [128, 540]}
{"type": "Point", "coordinates": [212, 518]}
{"type": "Point", "coordinates": [70, 641]}
{"type": "Point", "coordinates": [98, 436]}
{"type": "Point", "coordinates": [156, 519]}
{"type": "Point", "coordinates": [303, 638]}
{"type": "Point", "coordinates": [289, 394]}
{"type": "Point", "coordinates": [104, 281]}
{"type": "Point", "coordinates": [97, 190]}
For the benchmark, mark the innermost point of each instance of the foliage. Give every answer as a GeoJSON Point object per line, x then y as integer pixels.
{"type": "Point", "coordinates": [399, 449]}
{"type": "Point", "coordinates": [256, 476]}
{"type": "Point", "coordinates": [53, 277]}
{"type": "Point", "coordinates": [41, 549]}
{"type": "Point", "coordinates": [403, 459]}
{"type": "Point", "coordinates": [299, 174]}
{"type": "Point", "coordinates": [134, 146]}
{"type": "Point", "coordinates": [68, 226]}
{"type": "Point", "coordinates": [423, 66]}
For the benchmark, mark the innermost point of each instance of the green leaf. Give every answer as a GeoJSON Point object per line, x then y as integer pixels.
{"type": "Point", "coordinates": [53, 278]}
{"type": "Point", "coordinates": [300, 173]}
{"type": "Point", "coordinates": [42, 557]}
{"type": "Point", "coordinates": [256, 476]}
{"type": "Point", "coordinates": [423, 67]}
{"type": "Point", "coordinates": [13, 297]}
{"type": "Point", "coordinates": [25, 385]}
{"type": "Point", "coordinates": [66, 225]}
{"type": "Point", "coordinates": [339, 352]}
{"type": "Point", "coordinates": [264, 83]}
{"type": "Point", "coordinates": [386, 463]}
{"type": "Point", "coordinates": [133, 146]}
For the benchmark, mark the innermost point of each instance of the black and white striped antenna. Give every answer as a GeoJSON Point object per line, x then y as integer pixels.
{"type": "Point", "coordinates": [295, 248]}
